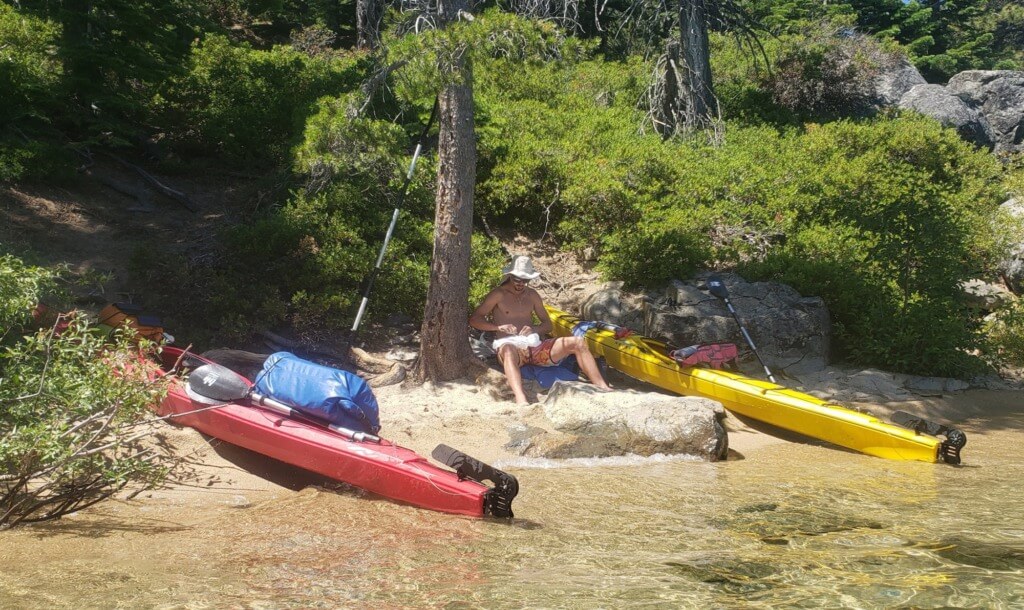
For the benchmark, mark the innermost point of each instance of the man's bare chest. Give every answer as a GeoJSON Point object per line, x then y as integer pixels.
{"type": "Point", "coordinates": [514, 307]}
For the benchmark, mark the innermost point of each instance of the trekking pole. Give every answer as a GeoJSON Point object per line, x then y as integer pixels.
{"type": "Point", "coordinates": [394, 220]}
{"type": "Point", "coordinates": [717, 287]}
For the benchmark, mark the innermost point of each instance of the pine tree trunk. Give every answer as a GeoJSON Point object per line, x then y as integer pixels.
{"type": "Point", "coordinates": [444, 337]}
{"type": "Point", "coordinates": [696, 89]}
{"type": "Point", "coordinates": [668, 110]}
{"type": "Point", "coordinates": [368, 14]}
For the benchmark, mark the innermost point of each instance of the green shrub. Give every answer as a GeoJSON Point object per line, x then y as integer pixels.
{"type": "Point", "coordinates": [29, 70]}
{"type": "Point", "coordinates": [1004, 335]}
{"type": "Point", "coordinates": [827, 71]}
{"type": "Point", "coordinates": [247, 104]}
{"type": "Point", "coordinates": [1014, 179]}
{"type": "Point", "coordinates": [652, 253]}
{"type": "Point", "coordinates": [30, 74]}
{"type": "Point", "coordinates": [909, 202]}
{"type": "Point", "coordinates": [570, 162]}
{"type": "Point", "coordinates": [21, 288]}
{"type": "Point", "coordinates": [740, 73]}
{"type": "Point", "coordinates": [70, 404]}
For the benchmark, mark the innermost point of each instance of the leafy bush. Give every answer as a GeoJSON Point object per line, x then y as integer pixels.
{"type": "Point", "coordinates": [21, 287]}
{"type": "Point", "coordinates": [248, 104]}
{"type": "Point", "coordinates": [29, 71]}
{"type": "Point", "coordinates": [1004, 335]}
{"type": "Point", "coordinates": [1014, 179]}
{"type": "Point", "coordinates": [909, 202]}
{"type": "Point", "coordinates": [570, 160]}
{"type": "Point", "coordinates": [719, 205]}
{"type": "Point", "coordinates": [827, 71]}
{"type": "Point", "coordinates": [70, 405]}
{"type": "Point", "coordinates": [653, 252]}
{"type": "Point", "coordinates": [739, 73]}
{"type": "Point", "coordinates": [30, 75]}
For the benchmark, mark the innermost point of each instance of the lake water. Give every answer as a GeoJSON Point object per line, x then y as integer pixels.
{"type": "Point", "coordinates": [792, 525]}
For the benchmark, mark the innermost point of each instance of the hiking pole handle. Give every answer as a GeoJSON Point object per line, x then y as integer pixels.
{"type": "Point", "coordinates": [767, 372]}
{"type": "Point", "coordinates": [750, 341]}
{"type": "Point", "coordinates": [366, 295]}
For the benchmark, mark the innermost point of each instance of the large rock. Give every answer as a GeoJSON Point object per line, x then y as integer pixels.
{"type": "Point", "coordinates": [999, 97]}
{"type": "Point", "coordinates": [792, 332]}
{"type": "Point", "coordinates": [612, 304]}
{"type": "Point", "coordinates": [986, 297]}
{"type": "Point", "coordinates": [941, 104]}
{"type": "Point", "coordinates": [894, 81]}
{"type": "Point", "coordinates": [1012, 267]}
{"type": "Point", "coordinates": [602, 424]}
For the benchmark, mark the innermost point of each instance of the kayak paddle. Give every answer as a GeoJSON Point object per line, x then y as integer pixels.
{"type": "Point", "coordinates": [717, 287]}
{"type": "Point", "coordinates": [217, 382]}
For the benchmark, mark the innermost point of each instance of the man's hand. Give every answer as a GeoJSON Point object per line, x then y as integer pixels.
{"type": "Point", "coordinates": [508, 329]}
{"type": "Point", "coordinates": [526, 330]}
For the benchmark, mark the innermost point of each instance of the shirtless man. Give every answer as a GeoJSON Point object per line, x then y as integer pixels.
{"type": "Point", "coordinates": [511, 307]}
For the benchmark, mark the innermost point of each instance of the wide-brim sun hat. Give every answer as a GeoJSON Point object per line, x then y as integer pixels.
{"type": "Point", "coordinates": [522, 268]}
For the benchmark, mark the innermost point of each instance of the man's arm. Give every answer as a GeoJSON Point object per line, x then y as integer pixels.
{"type": "Point", "coordinates": [545, 325]}
{"type": "Point", "coordinates": [478, 319]}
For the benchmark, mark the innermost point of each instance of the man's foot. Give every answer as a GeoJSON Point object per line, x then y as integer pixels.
{"type": "Point", "coordinates": [604, 388]}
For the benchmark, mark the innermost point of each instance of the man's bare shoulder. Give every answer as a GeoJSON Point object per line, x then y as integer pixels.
{"type": "Point", "coordinates": [497, 293]}
{"type": "Point", "coordinates": [494, 297]}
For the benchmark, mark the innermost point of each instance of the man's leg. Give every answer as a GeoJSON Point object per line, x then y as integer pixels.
{"type": "Point", "coordinates": [577, 346]}
{"type": "Point", "coordinates": [509, 357]}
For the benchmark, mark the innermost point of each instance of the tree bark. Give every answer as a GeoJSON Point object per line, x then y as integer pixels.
{"type": "Point", "coordinates": [697, 90]}
{"type": "Point", "coordinates": [669, 115]}
{"type": "Point", "coordinates": [444, 337]}
{"type": "Point", "coordinates": [368, 14]}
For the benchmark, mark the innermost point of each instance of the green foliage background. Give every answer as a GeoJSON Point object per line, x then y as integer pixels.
{"type": "Point", "coordinates": [883, 215]}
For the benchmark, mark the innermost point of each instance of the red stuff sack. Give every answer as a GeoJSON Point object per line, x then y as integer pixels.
{"type": "Point", "coordinates": [713, 355]}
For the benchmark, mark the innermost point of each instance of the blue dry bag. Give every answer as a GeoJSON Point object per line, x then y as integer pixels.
{"type": "Point", "coordinates": [336, 396]}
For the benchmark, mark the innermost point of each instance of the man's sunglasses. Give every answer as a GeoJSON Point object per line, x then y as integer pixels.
{"type": "Point", "coordinates": [519, 280]}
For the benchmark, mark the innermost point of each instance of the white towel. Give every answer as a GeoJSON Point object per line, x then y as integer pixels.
{"type": "Point", "coordinates": [520, 341]}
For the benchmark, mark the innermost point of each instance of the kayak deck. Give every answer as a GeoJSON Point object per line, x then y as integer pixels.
{"type": "Point", "coordinates": [383, 468]}
{"type": "Point", "coordinates": [648, 360]}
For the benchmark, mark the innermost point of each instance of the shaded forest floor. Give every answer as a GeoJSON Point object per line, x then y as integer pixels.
{"type": "Point", "coordinates": [98, 221]}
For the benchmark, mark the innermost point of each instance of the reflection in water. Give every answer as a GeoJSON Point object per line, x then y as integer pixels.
{"type": "Point", "coordinates": [791, 526]}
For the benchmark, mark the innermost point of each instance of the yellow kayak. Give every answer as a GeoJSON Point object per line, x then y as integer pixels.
{"type": "Point", "coordinates": [648, 360]}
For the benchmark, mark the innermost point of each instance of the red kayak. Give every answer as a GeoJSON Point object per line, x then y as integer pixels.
{"type": "Point", "coordinates": [363, 460]}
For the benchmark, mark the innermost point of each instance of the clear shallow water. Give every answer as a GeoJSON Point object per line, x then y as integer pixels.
{"type": "Point", "coordinates": [793, 525]}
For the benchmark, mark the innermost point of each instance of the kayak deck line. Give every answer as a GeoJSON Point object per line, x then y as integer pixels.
{"type": "Point", "coordinates": [647, 360]}
{"type": "Point", "coordinates": [378, 466]}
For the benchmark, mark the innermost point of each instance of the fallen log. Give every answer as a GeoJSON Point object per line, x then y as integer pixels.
{"type": "Point", "coordinates": [176, 195]}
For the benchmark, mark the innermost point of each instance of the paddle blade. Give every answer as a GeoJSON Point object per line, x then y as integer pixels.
{"type": "Point", "coordinates": [717, 287]}
{"type": "Point", "coordinates": [217, 382]}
